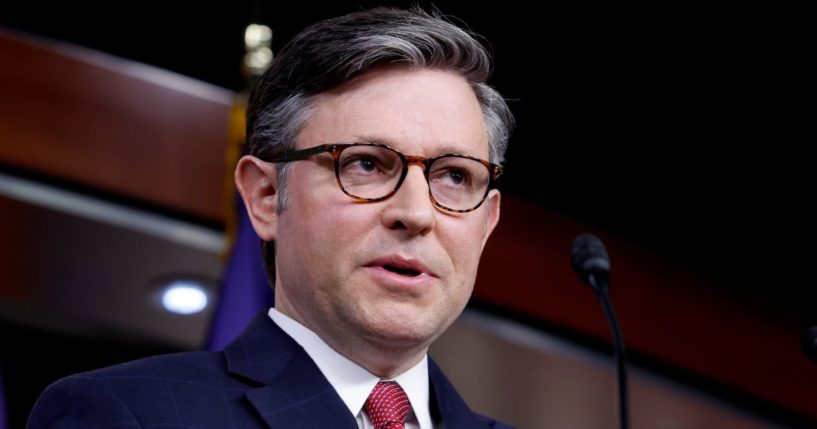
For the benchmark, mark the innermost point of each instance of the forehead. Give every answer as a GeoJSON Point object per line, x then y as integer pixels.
{"type": "Point", "coordinates": [417, 111]}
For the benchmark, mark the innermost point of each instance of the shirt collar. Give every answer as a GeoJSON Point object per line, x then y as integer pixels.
{"type": "Point", "coordinates": [352, 382]}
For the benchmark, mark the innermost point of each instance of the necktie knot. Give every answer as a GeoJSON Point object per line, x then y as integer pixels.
{"type": "Point", "coordinates": [387, 406]}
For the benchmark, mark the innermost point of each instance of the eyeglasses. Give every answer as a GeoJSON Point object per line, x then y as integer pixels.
{"type": "Point", "coordinates": [372, 172]}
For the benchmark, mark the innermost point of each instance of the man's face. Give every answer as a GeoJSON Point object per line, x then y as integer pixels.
{"type": "Point", "coordinates": [394, 273]}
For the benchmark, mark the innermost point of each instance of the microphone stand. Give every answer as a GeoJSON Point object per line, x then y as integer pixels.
{"type": "Point", "coordinates": [601, 290]}
{"type": "Point", "coordinates": [590, 261]}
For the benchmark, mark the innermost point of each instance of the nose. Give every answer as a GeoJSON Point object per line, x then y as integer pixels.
{"type": "Point", "coordinates": [410, 209]}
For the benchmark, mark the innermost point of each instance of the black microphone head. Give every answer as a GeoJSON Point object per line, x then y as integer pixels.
{"type": "Point", "coordinates": [588, 255]}
{"type": "Point", "coordinates": [589, 258]}
{"type": "Point", "coordinates": [809, 343]}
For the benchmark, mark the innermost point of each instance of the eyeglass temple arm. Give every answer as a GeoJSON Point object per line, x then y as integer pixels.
{"type": "Point", "coordinates": [295, 155]}
{"type": "Point", "coordinates": [497, 171]}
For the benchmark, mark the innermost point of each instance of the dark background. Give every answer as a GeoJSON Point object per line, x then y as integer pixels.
{"type": "Point", "coordinates": [681, 127]}
{"type": "Point", "coordinates": [684, 128]}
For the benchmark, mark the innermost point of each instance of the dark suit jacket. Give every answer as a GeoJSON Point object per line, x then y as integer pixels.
{"type": "Point", "coordinates": [263, 379]}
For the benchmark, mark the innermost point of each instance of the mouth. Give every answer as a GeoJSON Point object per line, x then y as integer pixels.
{"type": "Point", "coordinates": [402, 271]}
{"type": "Point", "coordinates": [402, 266]}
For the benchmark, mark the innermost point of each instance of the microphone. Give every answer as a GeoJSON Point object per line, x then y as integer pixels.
{"type": "Point", "coordinates": [809, 343]}
{"type": "Point", "coordinates": [590, 261]}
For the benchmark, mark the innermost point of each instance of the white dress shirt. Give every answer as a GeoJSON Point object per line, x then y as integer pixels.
{"type": "Point", "coordinates": [353, 382]}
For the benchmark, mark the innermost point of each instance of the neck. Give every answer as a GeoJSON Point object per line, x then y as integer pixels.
{"type": "Point", "coordinates": [384, 362]}
{"type": "Point", "coordinates": [383, 357]}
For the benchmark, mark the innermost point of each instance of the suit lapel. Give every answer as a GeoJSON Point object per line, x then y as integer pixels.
{"type": "Point", "coordinates": [290, 392]}
{"type": "Point", "coordinates": [301, 397]}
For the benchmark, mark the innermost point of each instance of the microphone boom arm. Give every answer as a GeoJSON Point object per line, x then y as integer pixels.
{"type": "Point", "coordinates": [618, 346]}
{"type": "Point", "coordinates": [590, 261]}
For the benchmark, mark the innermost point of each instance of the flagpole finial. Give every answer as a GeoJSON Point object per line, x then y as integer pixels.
{"type": "Point", "coordinates": [258, 52]}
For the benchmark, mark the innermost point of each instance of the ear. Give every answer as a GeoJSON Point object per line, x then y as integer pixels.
{"type": "Point", "coordinates": [256, 182]}
{"type": "Point", "coordinates": [491, 214]}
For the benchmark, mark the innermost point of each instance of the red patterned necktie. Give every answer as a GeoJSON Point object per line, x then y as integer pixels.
{"type": "Point", "coordinates": [387, 406]}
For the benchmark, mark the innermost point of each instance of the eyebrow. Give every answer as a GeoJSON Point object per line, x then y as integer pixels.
{"type": "Point", "coordinates": [444, 150]}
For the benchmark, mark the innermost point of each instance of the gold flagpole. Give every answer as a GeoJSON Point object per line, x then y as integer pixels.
{"type": "Point", "coordinates": [257, 58]}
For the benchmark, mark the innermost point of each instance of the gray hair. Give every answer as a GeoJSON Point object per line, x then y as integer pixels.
{"type": "Point", "coordinates": [330, 53]}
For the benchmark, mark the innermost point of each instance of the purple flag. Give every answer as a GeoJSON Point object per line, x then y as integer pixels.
{"type": "Point", "coordinates": [244, 287]}
{"type": "Point", "coordinates": [3, 418]}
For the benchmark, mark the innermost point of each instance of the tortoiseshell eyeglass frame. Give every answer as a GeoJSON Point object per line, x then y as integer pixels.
{"type": "Point", "coordinates": [335, 149]}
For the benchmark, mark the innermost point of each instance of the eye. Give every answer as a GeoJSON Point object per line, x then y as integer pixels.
{"type": "Point", "coordinates": [456, 177]}
{"type": "Point", "coordinates": [451, 177]}
{"type": "Point", "coordinates": [369, 163]}
{"type": "Point", "coordinates": [365, 164]}
{"type": "Point", "coordinates": [361, 164]}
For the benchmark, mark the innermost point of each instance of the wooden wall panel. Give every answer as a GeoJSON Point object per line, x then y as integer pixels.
{"type": "Point", "coordinates": [668, 311]}
{"type": "Point", "coordinates": [112, 124]}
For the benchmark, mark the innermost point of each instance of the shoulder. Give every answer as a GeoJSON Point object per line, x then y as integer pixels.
{"type": "Point", "coordinates": [193, 389]}
{"type": "Point", "coordinates": [114, 395]}
{"type": "Point", "coordinates": [199, 367]}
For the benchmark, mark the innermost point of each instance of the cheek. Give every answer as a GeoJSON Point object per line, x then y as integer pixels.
{"type": "Point", "coordinates": [329, 231]}
{"type": "Point", "coordinates": [462, 239]}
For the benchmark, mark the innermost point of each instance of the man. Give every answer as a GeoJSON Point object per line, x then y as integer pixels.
{"type": "Point", "coordinates": [374, 147]}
